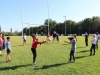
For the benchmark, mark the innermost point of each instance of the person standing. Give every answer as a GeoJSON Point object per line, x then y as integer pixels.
{"type": "Point", "coordinates": [73, 49]}
{"type": "Point", "coordinates": [24, 39]}
{"type": "Point", "coordinates": [36, 35]}
{"type": "Point", "coordinates": [94, 40]}
{"type": "Point", "coordinates": [8, 49]}
{"type": "Point", "coordinates": [3, 37]}
{"type": "Point", "coordinates": [1, 44]}
{"type": "Point", "coordinates": [98, 37]}
{"type": "Point", "coordinates": [86, 39]}
{"type": "Point", "coordinates": [34, 46]}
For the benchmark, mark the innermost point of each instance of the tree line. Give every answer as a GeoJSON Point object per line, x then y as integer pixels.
{"type": "Point", "coordinates": [90, 25]}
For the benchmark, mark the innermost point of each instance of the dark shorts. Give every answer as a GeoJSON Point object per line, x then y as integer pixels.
{"type": "Point", "coordinates": [1, 48]}
{"type": "Point", "coordinates": [24, 40]}
{"type": "Point", "coordinates": [8, 51]}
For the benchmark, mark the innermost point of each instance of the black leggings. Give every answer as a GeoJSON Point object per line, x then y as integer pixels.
{"type": "Point", "coordinates": [86, 42]}
{"type": "Point", "coordinates": [92, 47]}
{"type": "Point", "coordinates": [34, 54]}
{"type": "Point", "coordinates": [72, 55]}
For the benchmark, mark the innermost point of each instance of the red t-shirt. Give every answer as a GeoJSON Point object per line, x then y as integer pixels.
{"type": "Point", "coordinates": [35, 42]}
{"type": "Point", "coordinates": [48, 35]}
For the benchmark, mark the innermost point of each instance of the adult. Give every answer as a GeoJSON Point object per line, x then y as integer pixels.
{"type": "Point", "coordinates": [57, 37]}
{"type": "Point", "coordinates": [86, 38]}
{"type": "Point", "coordinates": [54, 36]}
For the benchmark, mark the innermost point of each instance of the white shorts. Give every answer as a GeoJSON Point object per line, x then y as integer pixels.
{"type": "Point", "coordinates": [49, 39]}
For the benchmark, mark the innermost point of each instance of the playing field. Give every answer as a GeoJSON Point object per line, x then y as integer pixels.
{"type": "Point", "coordinates": [51, 59]}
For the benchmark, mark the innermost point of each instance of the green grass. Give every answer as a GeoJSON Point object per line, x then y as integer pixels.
{"type": "Point", "coordinates": [51, 59]}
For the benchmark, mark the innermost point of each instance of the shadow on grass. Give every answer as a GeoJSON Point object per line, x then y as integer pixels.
{"type": "Point", "coordinates": [65, 44]}
{"type": "Point", "coordinates": [79, 57]}
{"type": "Point", "coordinates": [83, 51]}
{"type": "Point", "coordinates": [20, 45]}
{"type": "Point", "coordinates": [13, 67]}
{"type": "Point", "coordinates": [49, 66]}
{"type": "Point", "coordinates": [80, 47]}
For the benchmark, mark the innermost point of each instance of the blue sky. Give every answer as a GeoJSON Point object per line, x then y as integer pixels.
{"type": "Point", "coordinates": [36, 11]}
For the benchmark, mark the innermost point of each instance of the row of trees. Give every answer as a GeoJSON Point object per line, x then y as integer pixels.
{"type": "Point", "coordinates": [90, 25]}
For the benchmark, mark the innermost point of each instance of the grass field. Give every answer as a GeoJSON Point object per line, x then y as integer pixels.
{"type": "Point", "coordinates": [51, 59]}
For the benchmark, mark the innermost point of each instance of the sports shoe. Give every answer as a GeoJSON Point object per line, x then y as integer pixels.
{"type": "Point", "coordinates": [33, 64]}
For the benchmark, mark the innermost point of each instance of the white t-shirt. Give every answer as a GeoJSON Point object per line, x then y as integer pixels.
{"type": "Point", "coordinates": [94, 40]}
{"type": "Point", "coordinates": [24, 37]}
{"type": "Point", "coordinates": [98, 36]}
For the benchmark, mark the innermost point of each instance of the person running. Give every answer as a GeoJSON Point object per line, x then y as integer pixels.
{"type": "Point", "coordinates": [3, 37]}
{"type": "Point", "coordinates": [36, 35]}
{"type": "Point", "coordinates": [24, 39]}
{"type": "Point", "coordinates": [34, 46]}
{"type": "Point", "coordinates": [54, 36]}
{"type": "Point", "coordinates": [8, 49]}
{"type": "Point", "coordinates": [86, 39]}
{"type": "Point", "coordinates": [48, 38]}
{"type": "Point", "coordinates": [73, 49]}
{"type": "Point", "coordinates": [94, 40]}
{"type": "Point", "coordinates": [98, 37]}
{"type": "Point", "coordinates": [1, 44]}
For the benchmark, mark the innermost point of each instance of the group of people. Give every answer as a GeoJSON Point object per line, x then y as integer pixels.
{"type": "Point", "coordinates": [5, 45]}
{"type": "Point", "coordinates": [35, 42]}
{"type": "Point", "coordinates": [55, 37]}
{"type": "Point", "coordinates": [94, 41]}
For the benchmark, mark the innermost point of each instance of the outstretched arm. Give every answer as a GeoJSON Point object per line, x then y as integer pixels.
{"type": "Point", "coordinates": [68, 42]}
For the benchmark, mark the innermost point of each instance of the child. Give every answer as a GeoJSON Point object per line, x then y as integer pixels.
{"type": "Point", "coordinates": [48, 38]}
{"type": "Point", "coordinates": [24, 39]}
{"type": "Point", "coordinates": [34, 46]}
{"type": "Point", "coordinates": [94, 40]}
{"type": "Point", "coordinates": [36, 35]}
{"type": "Point", "coordinates": [8, 48]}
{"type": "Point", "coordinates": [3, 37]}
{"type": "Point", "coordinates": [73, 49]}
{"type": "Point", "coordinates": [97, 36]}
{"type": "Point", "coordinates": [1, 44]}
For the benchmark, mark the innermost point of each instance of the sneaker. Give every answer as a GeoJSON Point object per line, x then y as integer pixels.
{"type": "Point", "coordinates": [6, 61]}
{"type": "Point", "coordinates": [73, 62]}
{"type": "Point", "coordinates": [90, 55]}
{"type": "Point", "coordinates": [68, 62]}
{"type": "Point", "coordinates": [9, 60]}
{"type": "Point", "coordinates": [93, 54]}
{"type": "Point", "coordinates": [33, 64]}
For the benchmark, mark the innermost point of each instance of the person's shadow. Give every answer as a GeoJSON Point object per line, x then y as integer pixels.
{"type": "Point", "coordinates": [49, 66]}
{"type": "Point", "coordinates": [83, 51]}
{"type": "Point", "coordinates": [13, 67]}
